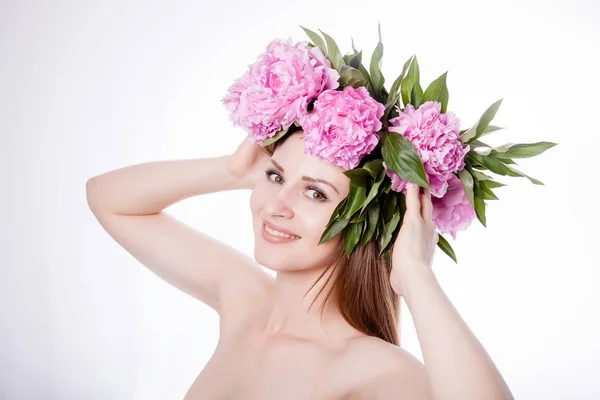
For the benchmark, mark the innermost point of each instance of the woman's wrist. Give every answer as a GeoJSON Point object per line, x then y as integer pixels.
{"type": "Point", "coordinates": [416, 279]}
{"type": "Point", "coordinates": [237, 173]}
{"type": "Point", "coordinates": [411, 277]}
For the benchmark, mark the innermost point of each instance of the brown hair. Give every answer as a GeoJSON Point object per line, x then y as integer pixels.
{"type": "Point", "coordinates": [362, 283]}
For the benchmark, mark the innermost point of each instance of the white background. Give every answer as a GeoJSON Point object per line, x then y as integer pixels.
{"type": "Point", "coordinates": [87, 87]}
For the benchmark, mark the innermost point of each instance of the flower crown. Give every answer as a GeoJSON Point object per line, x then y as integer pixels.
{"type": "Point", "coordinates": [386, 140]}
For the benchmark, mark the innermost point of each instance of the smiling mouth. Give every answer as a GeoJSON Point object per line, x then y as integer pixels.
{"type": "Point", "coordinates": [278, 234]}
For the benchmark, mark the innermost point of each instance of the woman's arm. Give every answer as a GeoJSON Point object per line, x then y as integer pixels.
{"type": "Point", "coordinates": [129, 202]}
{"type": "Point", "coordinates": [457, 365]}
{"type": "Point", "coordinates": [148, 188]}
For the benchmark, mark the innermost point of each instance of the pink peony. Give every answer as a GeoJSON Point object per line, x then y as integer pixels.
{"type": "Point", "coordinates": [276, 89]}
{"type": "Point", "coordinates": [342, 126]}
{"type": "Point", "coordinates": [436, 137]}
{"type": "Point", "coordinates": [453, 212]}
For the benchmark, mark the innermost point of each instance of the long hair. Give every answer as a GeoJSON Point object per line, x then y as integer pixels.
{"type": "Point", "coordinates": [362, 284]}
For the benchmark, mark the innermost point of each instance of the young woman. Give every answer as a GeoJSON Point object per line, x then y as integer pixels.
{"type": "Point", "coordinates": [326, 327]}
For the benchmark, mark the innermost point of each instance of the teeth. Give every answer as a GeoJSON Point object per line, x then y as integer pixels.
{"type": "Point", "coordinates": [280, 234]}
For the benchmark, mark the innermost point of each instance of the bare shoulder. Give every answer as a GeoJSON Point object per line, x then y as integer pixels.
{"type": "Point", "coordinates": [390, 371]}
{"type": "Point", "coordinates": [244, 299]}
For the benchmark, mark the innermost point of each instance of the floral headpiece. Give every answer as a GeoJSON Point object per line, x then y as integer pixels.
{"type": "Point", "coordinates": [386, 140]}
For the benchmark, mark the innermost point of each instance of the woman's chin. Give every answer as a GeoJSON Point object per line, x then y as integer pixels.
{"type": "Point", "coordinates": [275, 261]}
{"type": "Point", "coordinates": [267, 260]}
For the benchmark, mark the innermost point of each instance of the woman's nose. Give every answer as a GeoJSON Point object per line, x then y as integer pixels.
{"type": "Point", "coordinates": [280, 205]}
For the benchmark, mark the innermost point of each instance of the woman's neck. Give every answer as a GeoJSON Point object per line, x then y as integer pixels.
{"type": "Point", "coordinates": [289, 313]}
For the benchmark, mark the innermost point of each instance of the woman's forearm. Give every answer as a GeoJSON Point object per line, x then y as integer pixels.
{"type": "Point", "coordinates": [457, 365]}
{"type": "Point", "coordinates": [149, 188]}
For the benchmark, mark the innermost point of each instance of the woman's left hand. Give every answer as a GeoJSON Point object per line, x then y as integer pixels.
{"type": "Point", "coordinates": [415, 244]}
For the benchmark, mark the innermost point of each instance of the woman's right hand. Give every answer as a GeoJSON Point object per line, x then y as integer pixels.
{"type": "Point", "coordinates": [248, 162]}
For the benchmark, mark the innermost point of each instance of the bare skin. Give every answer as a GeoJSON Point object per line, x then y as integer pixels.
{"type": "Point", "coordinates": [248, 364]}
{"type": "Point", "coordinates": [271, 345]}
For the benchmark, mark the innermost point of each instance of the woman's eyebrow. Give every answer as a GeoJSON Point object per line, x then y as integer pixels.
{"type": "Point", "coordinates": [277, 165]}
{"type": "Point", "coordinates": [309, 179]}
{"type": "Point", "coordinates": [306, 178]}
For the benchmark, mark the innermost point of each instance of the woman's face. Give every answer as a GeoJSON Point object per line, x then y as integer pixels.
{"type": "Point", "coordinates": [287, 198]}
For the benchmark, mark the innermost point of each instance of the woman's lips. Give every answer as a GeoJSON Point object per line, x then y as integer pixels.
{"type": "Point", "coordinates": [273, 227]}
{"type": "Point", "coordinates": [274, 239]}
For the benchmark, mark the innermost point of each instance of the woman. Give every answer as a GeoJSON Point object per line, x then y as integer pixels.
{"type": "Point", "coordinates": [288, 338]}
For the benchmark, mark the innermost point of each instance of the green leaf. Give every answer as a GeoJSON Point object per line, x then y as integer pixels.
{"type": "Point", "coordinates": [410, 84]}
{"type": "Point", "coordinates": [446, 248]}
{"type": "Point", "coordinates": [487, 117]}
{"type": "Point", "coordinates": [353, 47]}
{"type": "Point", "coordinates": [359, 176]}
{"type": "Point", "coordinates": [369, 86]}
{"type": "Point", "coordinates": [468, 134]}
{"type": "Point", "coordinates": [415, 99]}
{"type": "Point", "coordinates": [515, 172]}
{"type": "Point", "coordinates": [372, 220]}
{"type": "Point", "coordinates": [358, 217]}
{"type": "Point", "coordinates": [475, 144]}
{"type": "Point", "coordinates": [374, 190]}
{"type": "Point", "coordinates": [356, 60]}
{"type": "Point", "coordinates": [437, 91]}
{"type": "Point", "coordinates": [490, 129]}
{"type": "Point", "coordinates": [497, 166]}
{"type": "Point", "coordinates": [522, 150]}
{"type": "Point", "coordinates": [503, 159]}
{"type": "Point", "coordinates": [377, 78]}
{"type": "Point", "coordinates": [316, 39]}
{"type": "Point", "coordinates": [394, 90]}
{"type": "Point", "coordinates": [333, 229]}
{"type": "Point", "coordinates": [409, 81]}
{"type": "Point", "coordinates": [374, 167]}
{"type": "Point", "coordinates": [480, 210]}
{"type": "Point", "coordinates": [402, 204]}
{"type": "Point", "coordinates": [444, 97]}
{"type": "Point", "coordinates": [402, 158]}
{"type": "Point", "coordinates": [386, 250]}
{"type": "Point", "coordinates": [467, 181]}
{"type": "Point", "coordinates": [503, 148]}
{"type": "Point", "coordinates": [493, 184]}
{"type": "Point", "coordinates": [350, 76]}
{"type": "Point", "coordinates": [347, 58]}
{"type": "Point", "coordinates": [490, 162]}
{"type": "Point", "coordinates": [390, 204]}
{"type": "Point", "coordinates": [481, 176]}
{"type": "Point", "coordinates": [275, 137]}
{"type": "Point", "coordinates": [388, 230]}
{"type": "Point", "coordinates": [386, 188]}
{"type": "Point", "coordinates": [351, 237]}
{"type": "Point", "coordinates": [338, 209]}
{"type": "Point", "coordinates": [333, 52]}
{"type": "Point", "coordinates": [477, 130]}
{"type": "Point", "coordinates": [356, 198]}
{"type": "Point", "coordinates": [486, 192]}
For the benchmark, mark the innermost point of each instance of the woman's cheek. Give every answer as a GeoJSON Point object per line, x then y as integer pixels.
{"type": "Point", "coordinates": [315, 218]}
{"type": "Point", "coordinates": [258, 197]}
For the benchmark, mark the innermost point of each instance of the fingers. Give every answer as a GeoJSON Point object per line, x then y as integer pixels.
{"type": "Point", "coordinates": [413, 202]}
{"type": "Point", "coordinates": [419, 204]}
{"type": "Point", "coordinates": [426, 205]}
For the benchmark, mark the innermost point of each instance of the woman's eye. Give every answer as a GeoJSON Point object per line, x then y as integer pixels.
{"type": "Point", "coordinates": [316, 195]}
{"type": "Point", "coordinates": [277, 179]}
{"type": "Point", "coordinates": [319, 196]}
